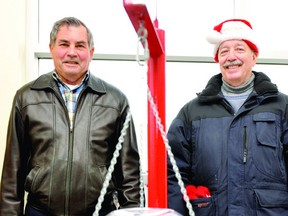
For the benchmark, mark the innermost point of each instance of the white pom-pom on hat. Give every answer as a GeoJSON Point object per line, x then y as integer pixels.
{"type": "Point", "coordinates": [237, 29]}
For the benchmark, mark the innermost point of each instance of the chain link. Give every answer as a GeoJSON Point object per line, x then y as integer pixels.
{"type": "Point", "coordinates": [112, 164]}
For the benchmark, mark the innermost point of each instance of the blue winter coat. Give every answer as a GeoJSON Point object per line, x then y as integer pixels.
{"type": "Point", "coordinates": [239, 157]}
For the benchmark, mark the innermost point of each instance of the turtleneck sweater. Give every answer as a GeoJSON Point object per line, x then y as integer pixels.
{"type": "Point", "coordinates": [236, 96]}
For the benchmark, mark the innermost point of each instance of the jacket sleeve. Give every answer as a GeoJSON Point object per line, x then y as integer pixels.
{"type": "Point", "coordinates": [285, 140]}
{"type": "Point", "coordinates": [127, 170]}
{"type": "Point", "coordinates": [179, 143]}
{"type": "Point", "coordinates": [13, 172]}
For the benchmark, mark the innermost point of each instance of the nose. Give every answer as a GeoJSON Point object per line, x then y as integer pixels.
{"type": "Point", "coordinates": [231, 55]}
{"type": "Point", "coordinates": [72, 50]}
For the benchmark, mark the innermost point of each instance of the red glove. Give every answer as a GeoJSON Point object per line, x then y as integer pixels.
{"type": "Point", "coordinates": [202, 192]}
{"type": "Point", "coordinates": [191, 192]}
{"type": "Point", "coordinates": [194, 192]}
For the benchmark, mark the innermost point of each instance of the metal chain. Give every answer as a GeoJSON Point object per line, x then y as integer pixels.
{"type": "Point", "coordinates": [142, 37]}
{"type": "Point", "coordinates": [112, 164]}
{"type": "Point", "coordinates": [141, 144]}
{"type": "Point", "coordinates": [142, 196]}
{"type": "Point", "coordinates": [170, 153]}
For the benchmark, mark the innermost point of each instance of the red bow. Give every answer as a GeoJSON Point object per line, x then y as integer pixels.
{"type": "Point", "coordinates": [194, 192]}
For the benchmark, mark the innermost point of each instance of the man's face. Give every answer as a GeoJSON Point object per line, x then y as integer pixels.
{"type": "Point", "coordinates": [236, 60]}
{"type": "Point", "coordinates": [71, 53]}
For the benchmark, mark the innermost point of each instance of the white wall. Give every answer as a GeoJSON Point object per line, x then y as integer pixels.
{"type": "Point", "coordinates": [12, 59]}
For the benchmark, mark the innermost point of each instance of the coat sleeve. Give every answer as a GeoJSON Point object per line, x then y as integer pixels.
{"type": "Point", "coordinates": [127, 170]}
{"type": "Point", "coordinates": [13, 172]}
{"type": "Point", "coordinates": [285, 140]}
{"type": "Point", "coordinates": [178, 134]}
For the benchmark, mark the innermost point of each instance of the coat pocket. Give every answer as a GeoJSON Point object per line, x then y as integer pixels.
{"type": "Point", "coordinates": [204, 206]}
{"type": "Point", "coordinates": [271, 202]}
{"type": "Point", "coordinates": [267, 152]}
{"type": "Point", "coordinates": [30, 182]}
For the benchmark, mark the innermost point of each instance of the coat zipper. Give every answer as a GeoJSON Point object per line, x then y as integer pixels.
{"type": "Point", "coordinates": [70, 156]}
{"type": "Point", "coordinates": [69, 171]}
{"type": "Point", "coordinates": [245, 145]}
{"type": "Point", "coordinates": [70, 159]}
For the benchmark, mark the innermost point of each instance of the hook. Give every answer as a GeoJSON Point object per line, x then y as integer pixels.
{"type": "Point", "coordinates": [142, 38]}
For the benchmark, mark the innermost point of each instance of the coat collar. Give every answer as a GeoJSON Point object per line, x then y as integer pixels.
{"type": "Point", "coordinates": [211, 93]}
{"type": "Point", "coordinates": [46, 81]}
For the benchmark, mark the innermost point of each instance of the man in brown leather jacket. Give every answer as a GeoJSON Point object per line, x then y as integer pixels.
{"type": "Point", "coordinates": [63, 130]}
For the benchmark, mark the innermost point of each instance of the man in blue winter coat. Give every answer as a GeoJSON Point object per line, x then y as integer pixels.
{"type": "Point", "coordinates": [232, 138]}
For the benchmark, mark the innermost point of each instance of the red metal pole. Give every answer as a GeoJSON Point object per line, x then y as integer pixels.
{"type": "Point", "coordinates": [157, 172]}
{"type": "Point", "coordinates": [157, 167]}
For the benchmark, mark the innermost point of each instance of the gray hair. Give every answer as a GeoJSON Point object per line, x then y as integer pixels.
{"type": "Point", "coordinates": [70, 21]}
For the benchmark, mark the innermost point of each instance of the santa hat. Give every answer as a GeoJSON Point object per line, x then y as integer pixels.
{"type": "Point", "coordinates": [237, 29]}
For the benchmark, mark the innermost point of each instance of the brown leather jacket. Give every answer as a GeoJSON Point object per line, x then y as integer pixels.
{"type": "Point", "coordinates": [62, 170]}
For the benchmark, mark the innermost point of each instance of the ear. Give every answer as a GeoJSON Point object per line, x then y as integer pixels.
{"type": "Point", "coordinates": [51, 48]}
{"type": "Point", "coordinates": [255, 55]}
{"type": "Point", "coordinates": [91, 53]}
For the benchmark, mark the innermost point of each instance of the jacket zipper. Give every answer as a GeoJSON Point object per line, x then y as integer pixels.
{"type": "Point", "coordinates": [69, 171]}
{"type": "Point", "coordinates": [70, 156]}
{"type": "Point", "coordinates": [245, 145]}
{"type": "Point", "coordinates": [70, 159]}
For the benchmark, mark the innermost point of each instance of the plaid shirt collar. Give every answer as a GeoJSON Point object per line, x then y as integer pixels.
{"type": "Point", "coordinates": [60, 82]}
{"type": "Point", "coordinates": [70, 96]}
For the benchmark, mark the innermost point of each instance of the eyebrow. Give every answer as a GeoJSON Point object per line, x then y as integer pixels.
{"type": "Point", "coordinates": [81, 42]}
{"type": "Point", "coordinates": [62, 41]}
{"type": "Point", "coordinates": [235, 45]}
{"type": "Point", "coordinates": [66, 41]}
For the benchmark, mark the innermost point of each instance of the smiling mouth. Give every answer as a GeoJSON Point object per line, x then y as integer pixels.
{"type": "Point", "coordinates": [232, 66]}
{"type": "Point", "coordinates": [71, 62]}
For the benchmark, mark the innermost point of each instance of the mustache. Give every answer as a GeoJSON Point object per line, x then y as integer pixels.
{"type": "Point", "coordinates": [231, 63]}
